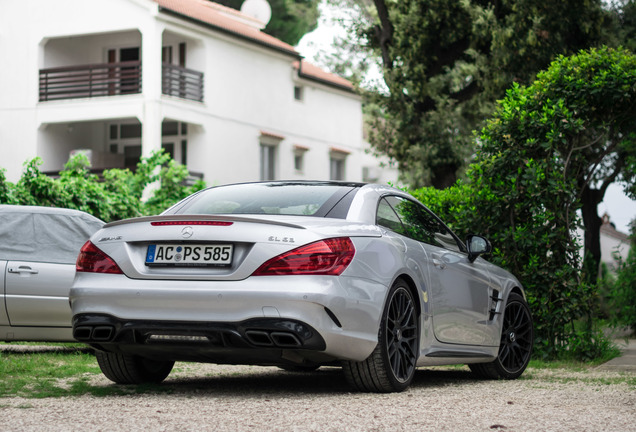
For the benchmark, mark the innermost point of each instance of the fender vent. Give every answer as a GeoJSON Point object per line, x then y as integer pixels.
{"type": "Point", "coordinates": [495, 305]}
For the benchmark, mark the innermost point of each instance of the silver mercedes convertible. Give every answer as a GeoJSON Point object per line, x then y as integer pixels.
{"type": "Point", "coordinates": [298, 275]}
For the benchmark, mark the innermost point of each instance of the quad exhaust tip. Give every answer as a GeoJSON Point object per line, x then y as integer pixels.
{"type": "Point", "coordinates": [273, 339]}
{"type": "Point", "coordinates": [97, 333]}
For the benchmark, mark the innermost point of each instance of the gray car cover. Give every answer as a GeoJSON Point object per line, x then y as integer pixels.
{"type": "Point", "coordinates": [44, 234]}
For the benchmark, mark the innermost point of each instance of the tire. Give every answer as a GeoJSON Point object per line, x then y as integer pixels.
{"type": "Point", "coordinates": [515, 349]}
{"type": "Point", "coordinates": [391, 365]}
{"type": "Point", "coordinates": [130, 369]}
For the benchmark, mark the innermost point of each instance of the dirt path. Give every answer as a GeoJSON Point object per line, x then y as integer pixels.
{"type": "Point", "coordinates": [238, 398]}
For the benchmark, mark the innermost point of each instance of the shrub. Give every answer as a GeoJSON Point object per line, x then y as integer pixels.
{"type": "Point", "coordinates": [119, 195]}
{"type": "Point", "coordinates": [623, 293]}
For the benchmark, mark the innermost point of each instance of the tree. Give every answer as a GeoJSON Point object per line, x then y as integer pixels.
{"type": "Point", "coordinates": [551, 149]}
{"type": "Point", "coordinates": [447, 62]}
{"type": "Point", "coordinates": [624, 15]}
{"type": "Point", "coordinates": [599, 91]}
{"type": "Point", "coordinates": [291, 19]}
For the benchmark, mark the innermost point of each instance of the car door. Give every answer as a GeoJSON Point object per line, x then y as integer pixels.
{"type": "Point", "coordinates": [38, 249]}
{"type": "Point", "coordinates": [459, 290]}
{"type": "Point", "coordinates": [36, 293]}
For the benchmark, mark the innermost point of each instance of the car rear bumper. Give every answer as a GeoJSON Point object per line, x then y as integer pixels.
{"type": "Point", "coordinates": [258, 332]}
{"type": "Point", "coordinates": [212, 341]}
{"type": "Point", "coordinates": [303, 317]}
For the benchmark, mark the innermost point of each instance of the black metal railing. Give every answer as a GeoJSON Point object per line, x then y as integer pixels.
{"type": "Point", "coordinates": [109, 79]}
{"type": "Point", "coordinates": [94, 80]}
{"type": "Point", "coordinates": [181, 82]}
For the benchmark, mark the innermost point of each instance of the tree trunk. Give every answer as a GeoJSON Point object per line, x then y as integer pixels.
{"type": "Point", "coordinates": [591, 198]}
{"type": "Point", "coordinates": [384, 33]}
{"type": "Point", "coordinates": [444, 176]}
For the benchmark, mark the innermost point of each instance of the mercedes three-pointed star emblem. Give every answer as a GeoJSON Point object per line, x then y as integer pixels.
{"type": "Point", "coordinates": [187, 232]}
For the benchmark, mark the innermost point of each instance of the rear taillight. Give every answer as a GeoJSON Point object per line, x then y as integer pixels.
{"type": "Point", "coordinates": [93, 260]}
{"type": "Point", "coordinates": [324, 257]}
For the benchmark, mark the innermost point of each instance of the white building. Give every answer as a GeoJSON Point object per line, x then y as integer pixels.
{"type": "Point", "coordinates": [615, 245]}
{"type": "Point", "coordinates": [122, 78]}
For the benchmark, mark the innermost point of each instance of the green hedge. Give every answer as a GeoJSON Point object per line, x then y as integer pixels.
{"type": "Point", "coordinates": [118, 195]}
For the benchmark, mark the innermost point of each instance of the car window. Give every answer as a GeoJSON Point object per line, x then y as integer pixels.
{"type": "Point", "coordinates": [387, 217]}
{"type": "Point", "coordinates": [268, 198]}
{"type": "Point", "coordinates": [422, 225]}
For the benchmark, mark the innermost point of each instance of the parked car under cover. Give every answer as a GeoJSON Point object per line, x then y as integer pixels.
{"type": "Point", "coordinates": [298, 275]}
{"type": "Point", "coordinates": [38, 250]}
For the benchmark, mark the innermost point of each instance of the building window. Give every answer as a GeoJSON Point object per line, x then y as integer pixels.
{"type": "Point", "coordinates": [370, 174]}
{"type": "Point", "coordinates": [130, 131]}
{"type": "Point", "coordinates": [166, 54]}
{"type": "Point", "coordinates": [298, 93]}
{"type": "Point", "coordinates": [337, 167]}
{"type": "Point", "coordinates": [184, 152]}
{"type": "Point", "coordinates": [125, 139]}
{"type": "Point", "coordinates": [268, 162]}
{"type": "Point", "coordinates": [299, 157]}
{"type": "Point", "coordinates": [169, 128]}
{"type": "Point", "coordinates": [123, 79]}
{"type": "Point", "coordinates": [269, 153]}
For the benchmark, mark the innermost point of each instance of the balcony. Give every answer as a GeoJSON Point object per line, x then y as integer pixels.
{"type": "Point", "coordinates": [181, 82]}
{"type": "Point", "coordinates": [110, 79]}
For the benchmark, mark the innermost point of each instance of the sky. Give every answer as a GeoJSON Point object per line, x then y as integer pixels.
{"type": "Point", "coordinates": [616, 204]}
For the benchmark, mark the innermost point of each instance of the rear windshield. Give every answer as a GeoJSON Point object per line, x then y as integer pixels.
{"type": "Point", "coordinates": [304, 199]}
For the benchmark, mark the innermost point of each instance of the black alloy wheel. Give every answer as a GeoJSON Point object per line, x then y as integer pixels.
{"type": "Point", "coordinates": [391, 366]}
{"type": "Point", "coordinates": [401, 335]}
{"type": "Point", "coordinates": [515, 348]}
{"type": "Point", "coordinates": [516, 338]}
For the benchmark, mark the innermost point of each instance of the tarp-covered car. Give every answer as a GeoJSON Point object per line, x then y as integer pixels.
{"type": "Point", "coordinates": [38, 250]}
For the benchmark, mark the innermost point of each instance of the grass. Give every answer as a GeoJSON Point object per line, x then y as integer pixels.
{"type": "Point", "coordinates": [61, 370]}
{"type": "Point", "coordinates": [64, 370]}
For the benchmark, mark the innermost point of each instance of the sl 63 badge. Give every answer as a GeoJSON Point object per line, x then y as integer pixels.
{"type": "Point", "coordinates": [281, 239]}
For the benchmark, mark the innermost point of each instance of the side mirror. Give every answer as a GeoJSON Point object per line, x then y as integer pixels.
{"type": "Point", "coordinates": [477, 245]}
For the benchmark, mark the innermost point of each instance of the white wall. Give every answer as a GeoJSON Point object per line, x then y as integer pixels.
{"type": "Point", "coordinates": [40, 33]}
{"type": "Point", "coordinates": [610, 247]}
{"type": "Point", "coordinates": [248, 89]}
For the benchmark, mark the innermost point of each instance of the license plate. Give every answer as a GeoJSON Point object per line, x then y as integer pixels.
{"type": "Point", "coordinates": [189, 255]}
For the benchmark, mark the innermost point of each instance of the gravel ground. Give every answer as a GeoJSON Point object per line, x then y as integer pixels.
{"type": "Point", "coordinates": [246, 398]}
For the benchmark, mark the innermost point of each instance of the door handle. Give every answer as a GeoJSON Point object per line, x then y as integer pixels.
{"type": "Point", "coordinates": [22, 269]}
